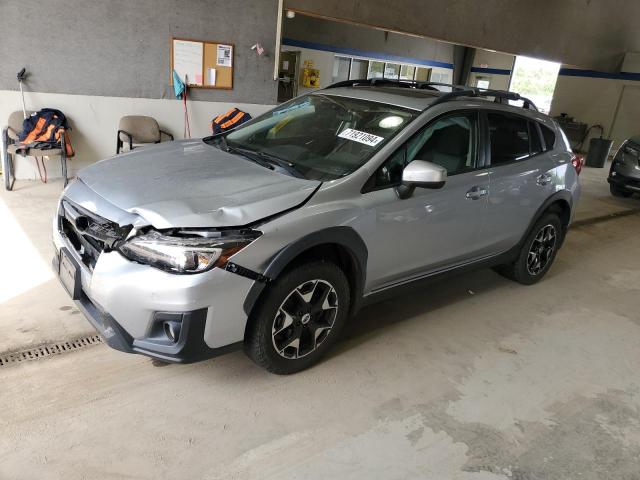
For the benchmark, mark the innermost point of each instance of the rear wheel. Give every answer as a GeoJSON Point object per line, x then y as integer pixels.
{"type": "Point", "coordinates": [299, 319]}
{"type": "Point", "coordinates": [537, 253]}
{"type": "Point", "coordinates": [619, 192]}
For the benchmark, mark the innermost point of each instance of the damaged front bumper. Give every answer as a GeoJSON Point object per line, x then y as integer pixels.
{"type": "Point", "coordinates": [140, 309]}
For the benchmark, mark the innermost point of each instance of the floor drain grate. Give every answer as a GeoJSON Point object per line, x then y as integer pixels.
{"type": "Point", "coordinates": [44, 351]}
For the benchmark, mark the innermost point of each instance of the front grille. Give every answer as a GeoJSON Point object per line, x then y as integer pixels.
{"type": "Point", "coordinates": [88, 233]}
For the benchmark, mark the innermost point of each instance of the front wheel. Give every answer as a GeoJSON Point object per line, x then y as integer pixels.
{"type": "Point", "coordinates": [537, 253]}
{"type": "Point", "coordinates": [299, 318]}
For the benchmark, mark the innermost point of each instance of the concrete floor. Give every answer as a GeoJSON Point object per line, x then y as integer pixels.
{"type": "Point", "coordinates": [472, 378]}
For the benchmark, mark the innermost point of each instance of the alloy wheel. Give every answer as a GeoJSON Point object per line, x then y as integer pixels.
{"type": "Point", "coordinates": [541, 250]}
{"type": "Point", "coordinates": [304, 319]}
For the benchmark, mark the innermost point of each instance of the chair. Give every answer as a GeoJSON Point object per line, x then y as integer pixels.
{"type": "Point", "coordinates": [10, 135]}
{"type": "Point", "coordinates": [138, 130]}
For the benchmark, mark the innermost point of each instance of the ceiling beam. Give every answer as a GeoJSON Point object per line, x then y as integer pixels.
{"type": "Point", "coordinates": [593, 34]}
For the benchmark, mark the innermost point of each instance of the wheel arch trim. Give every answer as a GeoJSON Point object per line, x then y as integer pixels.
{"type": "Point", "coordinates": [343, 236]}
{"type": "Point", "coordinates": [563, 196]}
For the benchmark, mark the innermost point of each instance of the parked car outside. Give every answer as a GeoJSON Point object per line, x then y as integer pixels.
{"type": "Point", "coordinates": [270, 236]}
{"type": "Point", "coordinates": [624, 175]}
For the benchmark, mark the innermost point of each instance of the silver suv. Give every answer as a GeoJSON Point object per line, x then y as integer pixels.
{"type": "Point", "coordinates": [272, 235]}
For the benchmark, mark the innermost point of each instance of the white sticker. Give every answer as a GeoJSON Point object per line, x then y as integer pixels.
{"type": "Point", "coordinates": [361, 137]}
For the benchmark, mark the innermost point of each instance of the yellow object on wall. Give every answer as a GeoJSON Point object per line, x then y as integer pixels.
{"type": "Point", "coordinates": [310, 77]}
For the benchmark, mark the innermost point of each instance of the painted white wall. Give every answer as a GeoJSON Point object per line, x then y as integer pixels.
{"type": "Point", "coordinates": [94, 121]}
{"type": "Point", "coordinates": [322, 61]}
{"type": "Point", "coordinates": [489, 59]}
{"type": "Point", "coordinates": [497, 82]}
{"type": "Point", "coordinates": [492, 59]}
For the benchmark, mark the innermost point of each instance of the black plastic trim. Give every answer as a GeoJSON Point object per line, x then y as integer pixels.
{"type": "Point", "coordinates": [190, 347]}
{"type": "Point", "coordinates": [562, 195]}
{"type": "Point", "coordinates": [245, 272]}
{"type": "Point", "coordinates": [405, 286]}
{"type": "Point", "coordinates": [344, 236]}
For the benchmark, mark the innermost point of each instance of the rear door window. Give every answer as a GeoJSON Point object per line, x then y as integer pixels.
{"type": "Point", "coordinates": [509, 136]}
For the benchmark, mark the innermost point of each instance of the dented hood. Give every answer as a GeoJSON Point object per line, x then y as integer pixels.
{"type": "Point", "coordinates": [191, 184]}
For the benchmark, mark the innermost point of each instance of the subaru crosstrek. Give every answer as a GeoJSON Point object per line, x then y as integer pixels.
{"type": "Point", "coordinates": [270, 236]}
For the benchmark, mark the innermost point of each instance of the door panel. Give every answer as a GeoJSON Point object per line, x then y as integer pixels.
{"type": "Point", "coordinates": [434, 228]}
{"type": "Point", "coordinates": [516, 192]}
{"type": "Point", "coordinates": [430, 230]}
{"type": "Point", "coordinates": [521, 178]}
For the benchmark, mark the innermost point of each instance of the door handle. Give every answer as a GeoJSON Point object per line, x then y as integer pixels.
{"type": "Point", "coordinates": [476, 193]}
{"type": "Point", "coordinates": [543, 180]}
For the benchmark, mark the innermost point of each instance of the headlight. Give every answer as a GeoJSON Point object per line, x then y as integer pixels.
{"type": "Point", "coordinates": [186, 254]}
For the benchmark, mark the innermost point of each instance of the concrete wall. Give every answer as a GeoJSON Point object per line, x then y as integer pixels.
{"type": "Point", "coordinates": [121, 47]}
{"type": "Point", "coordinates": [493, 66]}
{"type": "Point", "coordinates": [590, 33]}
{"type": "Point", "coordinates": [593, 100]}
{"type": "Point", "coordinates": [98, 60]}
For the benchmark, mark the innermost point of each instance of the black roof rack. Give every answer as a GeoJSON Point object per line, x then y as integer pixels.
{"type": "Point", "coordinates": [500, 96]}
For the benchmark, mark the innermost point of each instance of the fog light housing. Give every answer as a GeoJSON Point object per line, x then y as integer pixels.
{"type": "Point", "coordinates": [172, 330]}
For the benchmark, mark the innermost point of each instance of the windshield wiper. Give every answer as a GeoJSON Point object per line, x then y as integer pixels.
{"type": "Point", "coordinates": [285, 165]}
{"type": "Point", "coordinates": [252, 156]}
{"type": "Point", "coordinates": [217, 140]}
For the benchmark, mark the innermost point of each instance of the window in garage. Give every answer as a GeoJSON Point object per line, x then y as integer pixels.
{"type": "Point", "coordinates": [392, 71]}
{"type": "Point", "coordinates": [376, 70]}
{"type": "Point", "coordinates": [407, 72]}
{"type": "Point", "coordinates": [422, 74]}
{"type": "Point", "coordinates": [535, 79]}
{"type": "Point", "coordinates": [359, 68]}
{"type": "Point", "coordinates": [341, 67]}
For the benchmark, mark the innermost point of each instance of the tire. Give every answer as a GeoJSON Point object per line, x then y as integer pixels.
{"type": "Point", "coordinates": [309, 303]}
{"type": "Point", "coordinates": [619, 192]}
{"type": "Point", "coordinates": [542, 243]}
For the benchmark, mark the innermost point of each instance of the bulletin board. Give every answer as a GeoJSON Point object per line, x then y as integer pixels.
{"type": "Point", "coordinates": [205, 64]}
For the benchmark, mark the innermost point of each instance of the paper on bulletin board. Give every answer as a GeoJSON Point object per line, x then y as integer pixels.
{"type": "Point", "coordinates": [211, 80]}
{"type": "Point", "coordinates": [224, 56]}
{"type": "Point", "coordinates": [187, 61]}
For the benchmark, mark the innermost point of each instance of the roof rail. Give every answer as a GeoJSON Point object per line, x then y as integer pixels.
{"type": "Point", "coordinates": [456, 90]}
{"type": "Point", "coordinates": [499, 96]}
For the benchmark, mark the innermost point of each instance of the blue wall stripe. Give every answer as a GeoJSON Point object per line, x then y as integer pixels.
{"type": "Point", "coordinates": [363, 53]}
{"type": "Point", "coordinates": [494, 71]}
{"type": "Point", "coordinates": [574, 72]}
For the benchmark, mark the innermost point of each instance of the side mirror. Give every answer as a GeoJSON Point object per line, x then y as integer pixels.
{"type": "Point", "coordinates": [420, 173]}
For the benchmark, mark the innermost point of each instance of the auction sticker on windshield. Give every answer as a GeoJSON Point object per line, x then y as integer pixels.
{"type": "Point", "coordinates": [361, 137]}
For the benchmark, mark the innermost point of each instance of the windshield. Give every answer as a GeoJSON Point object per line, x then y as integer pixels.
{"type": "Point", "coordinates": [321, 137]}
